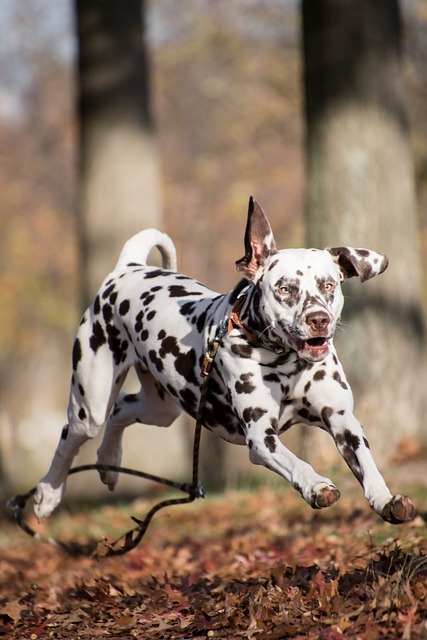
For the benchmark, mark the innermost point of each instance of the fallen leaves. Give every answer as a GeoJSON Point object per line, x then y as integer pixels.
{"type": "Point", "coordinates": [241, 566]}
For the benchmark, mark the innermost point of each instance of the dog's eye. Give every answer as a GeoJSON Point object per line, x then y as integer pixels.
{"type": "Point", "coordinates": [329, 286]}
{"type": "Point", "coordinates": [284, 290]}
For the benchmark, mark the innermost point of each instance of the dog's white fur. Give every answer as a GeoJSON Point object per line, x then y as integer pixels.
{"type": "Point", "coordinates": [276, 367]}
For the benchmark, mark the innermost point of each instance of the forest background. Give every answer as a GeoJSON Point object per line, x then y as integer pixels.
{"type": "Point", "coordinates": [227, 101]}
{"type": "Point", "coordinates": [237, 101]}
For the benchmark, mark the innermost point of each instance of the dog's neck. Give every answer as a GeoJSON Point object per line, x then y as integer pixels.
{"type": "Point", "coordinates": [245, 316]}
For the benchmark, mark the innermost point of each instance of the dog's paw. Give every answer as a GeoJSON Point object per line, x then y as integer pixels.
{"type": "Point", "coordinates": [400, 509]}
{"type": "Point", "coordinates": [324, 495]}
{"type": "Point", "coordinates": [110, 478]}
{"type": "Point", "coordinates": [108, 458]}
{"type": "Point", "coordinates": [46, 499]}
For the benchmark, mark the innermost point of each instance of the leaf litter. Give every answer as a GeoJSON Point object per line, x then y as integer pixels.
{"type": "Point", "coordinates": [240, 565]}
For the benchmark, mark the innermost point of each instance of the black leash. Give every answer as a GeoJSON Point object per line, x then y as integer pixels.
{"type": "Point", "coordinates": [134, 536]}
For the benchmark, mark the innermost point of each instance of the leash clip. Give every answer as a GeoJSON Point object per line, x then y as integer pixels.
{"type": "Point", "coordinates": [209, 358]}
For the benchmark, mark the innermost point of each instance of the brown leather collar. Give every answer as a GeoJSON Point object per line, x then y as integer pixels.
{"type": "Point", "coordinates": [252, 337]}
{"type": "Point", "coordinates": [234, 321]}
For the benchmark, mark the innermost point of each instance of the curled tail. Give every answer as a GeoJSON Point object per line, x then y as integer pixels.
{"type": "Point", "coordinates": [136, 249]}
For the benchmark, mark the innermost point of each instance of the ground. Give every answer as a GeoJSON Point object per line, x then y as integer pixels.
{"type": "Point", "coordinates": [243, 564]}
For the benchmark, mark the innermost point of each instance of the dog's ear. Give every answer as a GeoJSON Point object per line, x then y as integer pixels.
{"type": "Point", "coordinates": [259, 241]}
{"type": "Point", "coordinates": [358, 262]}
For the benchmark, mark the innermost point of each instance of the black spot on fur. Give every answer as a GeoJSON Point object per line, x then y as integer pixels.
{"type": "Point", "coordinates": [81, 391]}
{"type": "Point", "coordinates": [366, 443]}
{"type": "Point", "coordinates": [64, 433]}
{"type": "Point", "coordinates": [242, 350]}
{"type": "Point", "coordinates": [189, 400]}
{"type": "Point", "coordinates": [172, 390]}
{"type": "Point", "coordinates": [108, 291]}
{"type": "Point", "coordinates": [352, 461]}
{"type": "Point", "coordinates": [158, 363]}
{"type": "Point", "coordinates": [326, 413]}
{"type": "Point", "coordinates": [244, 385]}
{"type": "Point", "coordinates": [147, 298]}
{"type": "Point", "coordinates": [272, 265]}
{"type": "Point", "coordinates": [96, 305]}
{"type": "Point", "coordinates": [178, 291]}
{"type": "Point", "coordinates": [97, 338]}
{"type": "Point", "coordinates": [107, 313]}
{"type": "Point", "coordinates": [271, 377]}
{"type": "Point", "coordinates": [253, 414]}
{"type": "Point", "coordinates": [124, 307]}
{"type": "Point", "coordinates": [117, 346]}
{"type": "Point", "coordinates": [185, 364]}
{"type": "Point", "coordinates": [187, 309]}
{"type": "Point", "coordinates": [307, 416]}
{"type": "Point", "coordinates": [270, 443]}
{"type": "Point", "coordinates": [340, 381]}
{"type": "Point", "coordinates": [130, 398]}
{"type": "Point", "coordinates": [138, 321]}
{"type": "Point", "coordinates": [77, 353]}
{"type": "Point", "coordinates": [82, 414]}
{"type": "Point", "coordinates": [169, 345]}
{"type": "Point", "coordinates": [319, 375]}
{"type": "Point", "coordinates": [161, 334]}
{"type": "Point", "coordinates": [155, 273]}
{"type": "Point", "coordinates": [351, 440]}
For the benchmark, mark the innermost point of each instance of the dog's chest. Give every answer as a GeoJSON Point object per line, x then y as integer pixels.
{"type": "Point", "coordinates": [263, 384]}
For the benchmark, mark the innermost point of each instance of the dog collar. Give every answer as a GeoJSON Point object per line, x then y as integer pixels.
{"type": "Point", "coordinates": [254, 338]}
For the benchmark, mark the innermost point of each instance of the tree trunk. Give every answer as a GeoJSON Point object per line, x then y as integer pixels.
{"type": "Point", "coordinates": [120, 188]}
{"type": "Point", "coordinates": [119, 184]}
{"type": "Point", "coordinates": [360, 192]}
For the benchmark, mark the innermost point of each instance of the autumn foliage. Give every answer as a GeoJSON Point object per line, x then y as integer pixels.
{"type": "Point", "coordinates": [242, 565]}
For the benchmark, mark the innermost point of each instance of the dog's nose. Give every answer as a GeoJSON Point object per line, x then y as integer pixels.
{"type": "Point", "coordinates": [318, 321]}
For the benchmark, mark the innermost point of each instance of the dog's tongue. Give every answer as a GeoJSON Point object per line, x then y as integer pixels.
{"type": "Point", "coordinates": [315, 345]}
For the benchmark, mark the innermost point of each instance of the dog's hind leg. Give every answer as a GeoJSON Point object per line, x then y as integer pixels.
{"type": "Point", "coordinates": [94, 387]}
{"type": "Point", "coordinates": [151, 405]}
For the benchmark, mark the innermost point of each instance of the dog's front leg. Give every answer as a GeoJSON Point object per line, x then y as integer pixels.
{"type": "Point", "coordinates": [354, 448]}
{"type": "Point", "coordinates": [265, 448]}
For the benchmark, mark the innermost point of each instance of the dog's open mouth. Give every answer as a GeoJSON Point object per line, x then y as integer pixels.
{"type": "Point", "coordinates": [315, 348]}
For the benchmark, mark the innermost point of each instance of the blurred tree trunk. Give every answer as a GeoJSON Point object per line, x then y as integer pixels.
{"type": "Point", "coordinates": [360, 192]}
{"type": "Point", "coordinates": [120, 179]}
{"type": "Point", "coordinates": [120, 187]}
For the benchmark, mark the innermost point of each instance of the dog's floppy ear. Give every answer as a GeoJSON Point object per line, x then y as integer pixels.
{"type": "Point", "coordinates": [259, 241]}
{"type": "Point", "coordinates": [358, 262]}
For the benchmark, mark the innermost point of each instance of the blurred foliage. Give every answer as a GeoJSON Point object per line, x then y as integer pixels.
{"type": "Point", "coordinates": [228, 105]}
{"type": "Point", "coordinates": [37, 242]}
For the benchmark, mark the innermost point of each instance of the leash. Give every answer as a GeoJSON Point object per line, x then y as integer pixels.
{"type": "Point", "coordinates": [134, 536]}
{"type": "Point", "coordinates": [193, 490]}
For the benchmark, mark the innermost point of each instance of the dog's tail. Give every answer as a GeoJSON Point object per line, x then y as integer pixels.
{"type": "Point", "coordinates": [136, 249]}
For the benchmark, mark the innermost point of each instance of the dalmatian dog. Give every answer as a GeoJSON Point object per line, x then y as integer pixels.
{"type": "Point", "coordinates": [276, 365]}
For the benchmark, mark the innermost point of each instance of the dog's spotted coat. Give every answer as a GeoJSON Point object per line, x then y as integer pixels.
{"type": "Point", "coordinates": [275, 367]}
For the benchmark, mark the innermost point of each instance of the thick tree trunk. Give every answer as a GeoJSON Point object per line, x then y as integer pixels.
{"type": "Point", "coordinates": [120, 189]}
{"type": "Point", "coordinates": [360, 192]}
{"type": "Point", "coordinates": [120, 182]}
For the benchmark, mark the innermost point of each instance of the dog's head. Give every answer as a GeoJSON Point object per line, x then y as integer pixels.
{"type": "Point", "coordinates": [299, 290]}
